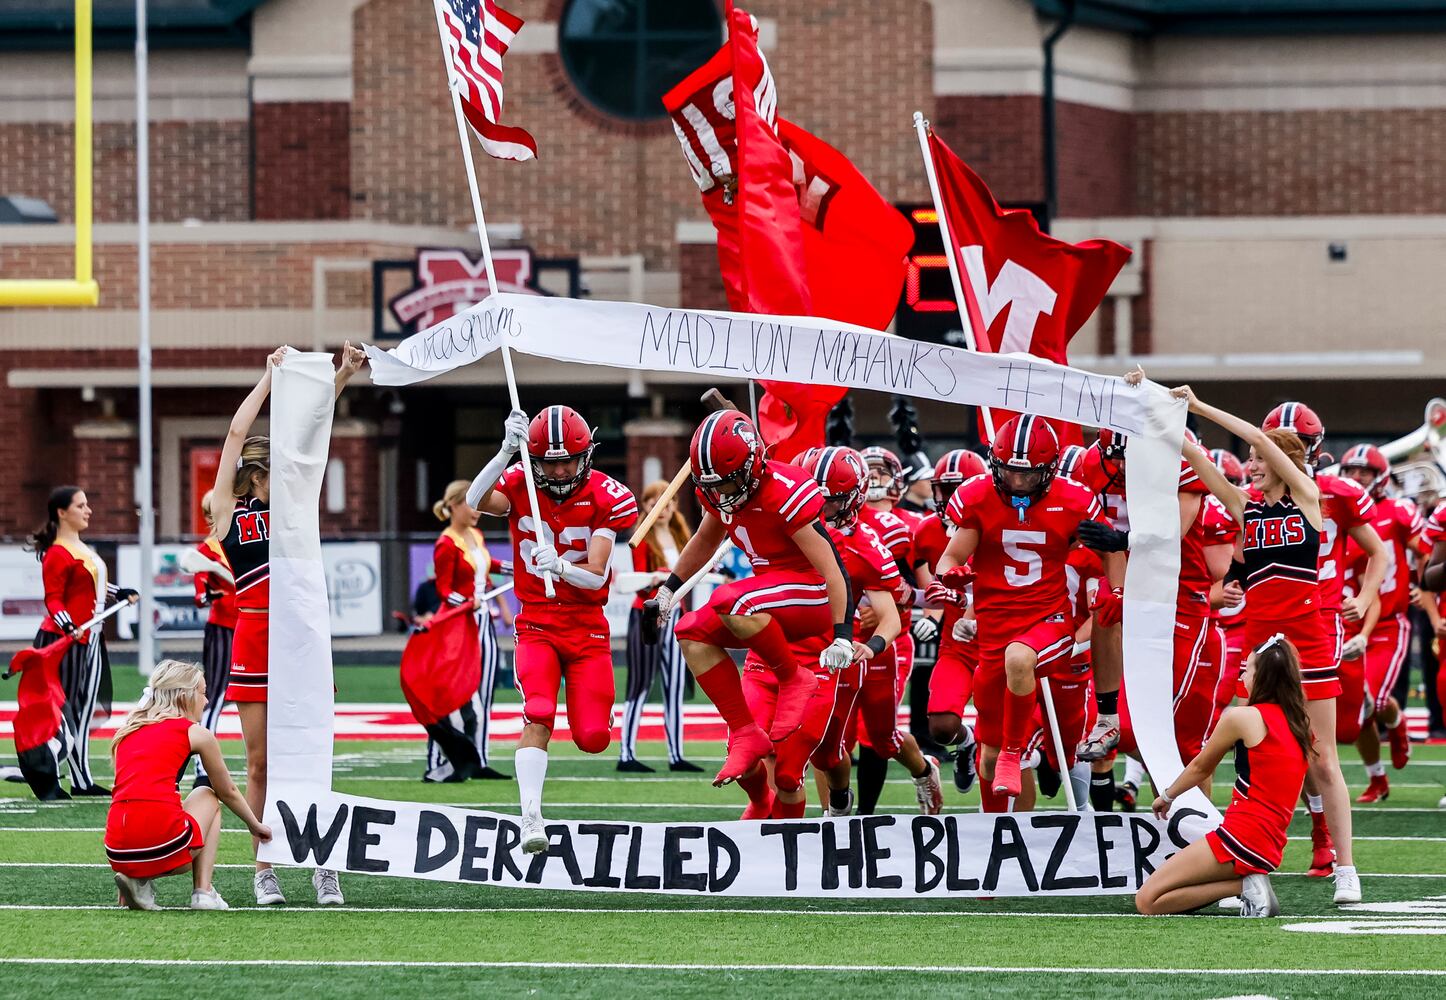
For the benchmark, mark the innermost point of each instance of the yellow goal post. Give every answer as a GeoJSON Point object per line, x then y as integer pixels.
{"type": "Point", "coordinates": [81, 290]}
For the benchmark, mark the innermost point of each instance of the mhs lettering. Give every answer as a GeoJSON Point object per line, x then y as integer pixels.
{"type": "Point", "coordinates": [1275, 532]}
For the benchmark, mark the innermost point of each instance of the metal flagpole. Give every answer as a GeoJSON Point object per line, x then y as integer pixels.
{"type": "Point", "coordinates": [921, 126]}
{"type": "Point", "coordinates": [465, 140]}
{"type": "Point", "coordinates": [144, 486]}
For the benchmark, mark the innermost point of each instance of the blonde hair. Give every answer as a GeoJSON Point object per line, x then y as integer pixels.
{"type": "Point", "coordinates": [165, 696]}
{"type": "Point", "coordinates": [255, 461]}
{"type": "Point", "coordinates": [677, 524]}
{"type": "Point", "coordinates": [455, 493]}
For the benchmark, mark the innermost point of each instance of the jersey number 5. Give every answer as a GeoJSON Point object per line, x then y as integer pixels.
{"type": "Point", "coordinates": [1015, 542]}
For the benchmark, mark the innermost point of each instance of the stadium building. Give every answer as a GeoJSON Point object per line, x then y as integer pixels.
{"type": "Point", "coordinates": [1277, 174]}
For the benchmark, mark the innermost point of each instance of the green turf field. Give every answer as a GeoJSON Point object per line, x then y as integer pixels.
{"type": "Point", "coordinates": [430, 939]}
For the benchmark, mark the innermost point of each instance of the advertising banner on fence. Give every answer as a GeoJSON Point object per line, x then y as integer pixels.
{"type": "Point", "coordinates": [22, 594]}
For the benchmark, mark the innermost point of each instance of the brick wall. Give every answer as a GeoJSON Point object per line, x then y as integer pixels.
{"type": "Point", "coordinates": [851, 72]}
{"type": "Point", "coordinates": [199, 169]}
{"type": "Point", "coordinates": [700, 283]}
{"type": "Point", "coordinates": [303, 159]}
{"type": "Point", "coordinates": [1382, 161]}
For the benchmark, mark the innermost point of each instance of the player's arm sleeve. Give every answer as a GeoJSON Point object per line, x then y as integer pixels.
{"type": "Point", "coordinates": [592, 575]}
{"type": "Point", "coordinates": [53, 570]}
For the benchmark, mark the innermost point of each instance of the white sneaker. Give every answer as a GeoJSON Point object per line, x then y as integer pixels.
{"type": "Point", "coordinates": [847, 810]}
{"type": "Point", "coordinates": [268, 890]}
{"type": "Point", "coordinates": [534, 834]}
{"type": "Point", "coordinates": [1230, 903]}
{"type": "Point", "coordinates": [1103, 738]}
{"type": "Point", "coordinates": [1348, 885]}
{"type": "Point", "coordinates": [1257, 898]}
{"type": "Point", "coordinates": [208, 899]}
{"type": "Point", "coordinates": [328, 888]}
{"type": "Point", "coordinates": [136, 893]}
{"type": "Point", "coordinates": [928, 790]}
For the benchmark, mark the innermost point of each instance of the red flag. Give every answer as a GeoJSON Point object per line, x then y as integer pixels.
{"type": "Point", "coordinates": [40, 696]}
{"type": "Point", "coordinates": [800, 230]}
{"type": "Point", "coordinates": [1025, 292]}
{"type": "Point", "coordinates": [442, 664]}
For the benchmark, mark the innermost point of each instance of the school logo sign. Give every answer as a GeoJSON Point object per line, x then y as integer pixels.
{"type": "Point", "coordinates": [448, 281]}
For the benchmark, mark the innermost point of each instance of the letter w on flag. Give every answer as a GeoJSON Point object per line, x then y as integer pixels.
{"type": "Point", "coordinates": [475, 36]}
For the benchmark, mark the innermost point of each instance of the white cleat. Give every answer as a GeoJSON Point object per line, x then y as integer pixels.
{"type": "Point", "coordinates": [846, 810]}
{"type": "Point", "coordinates": [328, 888]}
{"type": "Point", "coordinates": [534, 834]}
{"type": "Point", "coordinates": [208, 899]}
{"type": "Point", "coordinates": [268, 890]}
{"type": "Point", "coordinates": [1103, 738]}
{"type": "Point", "coordinates": [1257, 898]}
{"type": "Point", "coordinates": [1348, 885]}
{"type": "Point", "coordinates": [929, 791]}
{"type": "Point", "coordinates": [136, 893]}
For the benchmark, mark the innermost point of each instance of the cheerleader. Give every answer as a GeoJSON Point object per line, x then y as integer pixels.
{"type": "Point", "coordinates": [656, 556]}
{"type": "Point", "coordinates": [461, 563]}
{"type": "Point", "coordinates": [217, 592]}
{"type": "Point", "coordinates": [1281, 526]}
{"type": "Point", "coordinates": [149, 832]}
{"type": "Point", "coordinates": [76, 589]}
{"type": "Point", "coordinates": [241, 501]}
{"type": "Point", "coordinates": [1273, 741]}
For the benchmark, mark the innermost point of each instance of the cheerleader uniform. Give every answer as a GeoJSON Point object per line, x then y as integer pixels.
{"type": "Point", "coordinates": [644, 662]}
{"type": "Point", "coordinates": [1282, 551]}
{"type": "Point", "coordinates": [147, 833]}
{"type": "Point", "coordinates": [1268, 780]}
{"type": "Point", "coordinates": [461, 560]}
{"type": "Point", "coordinates": [217, 593]}
{"type": "Point", "coordinates": [247, 547]}
{"type": "Point", "coordinates": [76, 590]}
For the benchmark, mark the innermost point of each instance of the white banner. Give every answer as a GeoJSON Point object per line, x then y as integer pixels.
{"type": "Point", "coordinates": [22, 594]}
{"type": "Point", "coordinates": [723, 345]}
{"type": "Point", "coordinates": [1000, 854]}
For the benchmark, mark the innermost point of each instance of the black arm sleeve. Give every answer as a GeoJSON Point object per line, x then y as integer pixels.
{"type": "Point", "coordinates": [849, 600]}
{"type": "Point", "coordinates": [1236, 572]}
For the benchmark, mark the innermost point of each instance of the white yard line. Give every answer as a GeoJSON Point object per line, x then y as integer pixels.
{"type": "Point", "coordinates": [716, 967]}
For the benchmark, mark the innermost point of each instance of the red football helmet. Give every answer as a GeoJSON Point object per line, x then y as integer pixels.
{"type": "Point", "coordinates": [1302, 420]}
{"type": "Point", "coordinates": [1230, 466]}
{"type": "Point", "coordinates": [1377, 468]}
{"type": "Point", "coordinates": [1070, 459]}
{"type": "Point", "coordinates": [726, 456]}
{"type": "Point", "coordinates": [844, 479]}
{"type": "Point", "coordinates": [559, 434]}
{"type": "Point", "coordinates": [1112, 445]}
{"type": "Point", "coordinates": [952, 471]}
{"type": "Point", "coordinates": [884, 463]}
{"type": "Point", "coordinates": [804, 459]}
{"type": "Point", "coordinates": [1024, 458]}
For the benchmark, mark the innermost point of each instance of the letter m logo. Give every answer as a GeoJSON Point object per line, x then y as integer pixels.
{"type": "Point", "coordinates": [1025, 294]}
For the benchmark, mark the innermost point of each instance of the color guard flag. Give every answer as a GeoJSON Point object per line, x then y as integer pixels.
{"type": "Point", "coordinates": [40, 697]}
{"type": "Point", "coordinates": [442, 664]}
{"type": "Point", "coordinates": [800, 231]}
{"type": "Point", "coordinates": [475, 36]}
{"type": "Point", "coordinates": [1024, 291]}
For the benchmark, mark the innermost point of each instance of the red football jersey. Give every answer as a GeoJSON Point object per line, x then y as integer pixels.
{"type": "Point", "coordinates": [1221, 529]}
{"type": "Point", "coordinates": [600, 504]}
{"type": "Point", "coordinates": [1111, 488]}
{"type": "Point", "coordinates": [1083, 568]}
{"type": "Point", "coordinates": [930, 541]}
{"type": "Point", "coordinates": [892, 530]}
{"type": "Point", "coordinates": [1019, 562]}
{"type": "Point", "coordinates": [786, 500]}
{"type": "Point", "coordinates": [869, 565]}
{"type": "Point", "coordinates": [1343, 506]}
{"type": "Point", "coordinates": [1213, 526]}
{"type": "Point", "coordinates": [1435, 529]}
{"type": "Point", "coordinates": [1398, 522]}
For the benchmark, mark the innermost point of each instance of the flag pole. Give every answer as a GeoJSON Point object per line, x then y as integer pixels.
{"type": "Point", "coordinates": [921, 126]}
{"type": "Point", "coordinates": [465, 140]}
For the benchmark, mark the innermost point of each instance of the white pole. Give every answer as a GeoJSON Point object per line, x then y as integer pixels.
{"type": "Point", "coordinates": [144, 488]}
{"type": "Point", "coordinates": [1059, 756]}
{"type": "Point", "coordinates": [921, 126]}
{"type": "Point", "coordinates": [466, 142]}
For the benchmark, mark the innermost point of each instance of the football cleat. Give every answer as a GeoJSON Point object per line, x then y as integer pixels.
{"type": "Point", "coordinates": [928, 791]}
{"type": "Point", "coordinates": [794, 695]}
{"type": "Point", "coordinates": [1006, 773]}
{"type": "Point", "coordinates": [1379, 790]}
{"type": "Point", "coordinates": [746, 747]}
{"type": "Point", "coordinates": [1102, 739]}
{"type": "Point", "coordinates": [534, 833]}
{"type": "Point", "coordinates": [1127, 795]}
{"type": "Point", "coordinates": [1323, 850]}
{"type": "Point", "coordinates": [758, 810]}
{"type": "Point", "coordinates": [965, 767]}
{"type": "Point", "coordinates": [1400, 741]}
{"type": "Point", "coordinates": [845, 810]}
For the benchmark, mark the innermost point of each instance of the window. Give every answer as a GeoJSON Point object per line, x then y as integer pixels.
{"type": "Point", "coordinates": [623, 55]}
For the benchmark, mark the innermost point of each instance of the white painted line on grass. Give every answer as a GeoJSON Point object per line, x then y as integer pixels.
{"type": "Point", "coordinates": [717, 967]}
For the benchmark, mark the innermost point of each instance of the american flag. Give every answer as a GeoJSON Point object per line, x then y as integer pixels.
{"type": "Point", "coordinates": [475, 36]}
